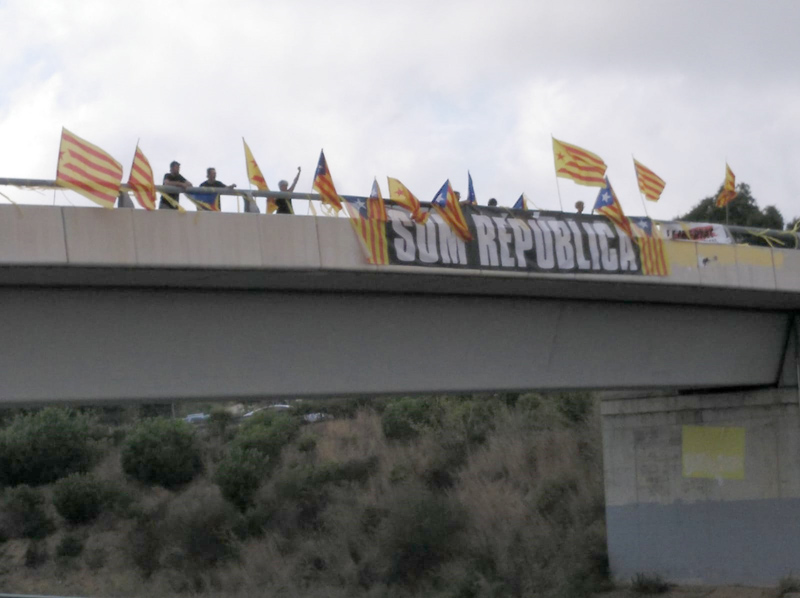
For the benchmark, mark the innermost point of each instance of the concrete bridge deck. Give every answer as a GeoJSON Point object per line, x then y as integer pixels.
{"type": "Point", "coordinates": [127, 304]}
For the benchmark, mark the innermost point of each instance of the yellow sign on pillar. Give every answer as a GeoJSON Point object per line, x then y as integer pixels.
{"type": "Point", "coordinates": [713, 452]}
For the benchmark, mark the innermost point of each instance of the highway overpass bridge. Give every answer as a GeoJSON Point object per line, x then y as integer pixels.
{"type": "Point", "coordinates": [102, 305]}
{"type": "Point", "coordinates": [112, 305]}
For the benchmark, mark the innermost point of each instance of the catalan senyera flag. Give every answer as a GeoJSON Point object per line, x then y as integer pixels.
{"type": "Point", "coordinates": [400, 194]}
{"type": "Point", "coordinates": [141, 181]}
{"type": "Point", "coordinates": [651, 247]}
{"type": "Point", "coordinates": [471, 199]}
{"type": "Point", "coordinates": [256, 178]}
{"type": "Point", "coordinates": [521, 204]}
{"type": "Point", "coordinates": [323, 183]}
{"type": "Point", "coordinates": [728, 193]}
{"type": "Point", "coordinates": [608, 205]}
{"type": "Point", "coordinates": [87, 169]}
{"type": "Point", "coordinates": [579, 165]}
{"type": "Point", "coordinates": [369, 218]}
{"type": "Point", "coordinates": [446, 204]}
{"type": "Point", "coordinates": [650, 184]}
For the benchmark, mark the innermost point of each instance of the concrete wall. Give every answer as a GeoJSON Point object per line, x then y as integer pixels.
{"type": "Point", "coordinates": [111, 344]}
{"type": "Point", "coordinates": [725, 511]}
{"type": "Point", "coordinates": [124, 247]}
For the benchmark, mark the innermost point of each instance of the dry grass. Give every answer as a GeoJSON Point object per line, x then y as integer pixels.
{"type": "Point", "coordinates": [519, 514]}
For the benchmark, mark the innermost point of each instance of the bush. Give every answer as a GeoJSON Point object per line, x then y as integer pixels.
{"type": "Point", "coordinates": [40, 447]}
{"type": "Point", "coordinates": [240, 475]}
{"type": "Point", "coordinates": [70, 546]}
{"type": "Point", "coordinates": [23, 514]}
{"type": "Point", "coordinates": [307, 444]}
{"type": "Point", "coordinates": [162, 452]}
{"type": "Point", "coordinates": [79, 498]}
{"type": "Point", "coordinates": [575, 406]}
{"type": "Point", "coordinates": [146, 543]}
{"type": "Point", "coordinates": [36, 554]}
{"type": "Point", "coordinates": [200, 527]}
{"type": "Point", "coordinates": [267, 432]}
{"type": "Point", "coordinates": [423, 530]}
{"type": "Point", "coordinates": [219, 420]}
{"type": "Point", "coordinates": [405, 418]}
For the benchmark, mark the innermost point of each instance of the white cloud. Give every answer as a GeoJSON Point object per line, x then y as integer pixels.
{"type": "Point", "coordinates": [418, 90]}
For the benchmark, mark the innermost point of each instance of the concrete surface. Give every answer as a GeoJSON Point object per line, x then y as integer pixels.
{"type": "Point", "coordinates": [703, 530]}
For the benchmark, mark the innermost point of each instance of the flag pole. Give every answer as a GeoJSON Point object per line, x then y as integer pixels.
{"type": "Point", "coordinates": [558, 187]}
{"type": "Point", "coordinates": [641, 194]}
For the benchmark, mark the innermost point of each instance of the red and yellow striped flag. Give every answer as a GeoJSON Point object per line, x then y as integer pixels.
{"type": "Point", "coordinates": [323, 183]}
{"type": "Point", "coordinates": [650, 184]}
{"type": "Point", "coordinates": [728, 193]}
{"type": "Point", "coordinates": [141, 181]}
{"type": "Point", "coordinates": [369, 223]}
{"type": "Point", "coordinates": [87, 169]}
{"type": "Point", "coordinates": [579, 165]}
{"type": "Point", "coordinates": [400, 194]}
{"type": "Point", "coordinates": [651, 247]}
{"type": "Point", "coordinates": [256, 178]}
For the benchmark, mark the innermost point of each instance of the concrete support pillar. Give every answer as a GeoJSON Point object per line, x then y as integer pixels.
{"type": "Point", "coordinates": [704, 489]}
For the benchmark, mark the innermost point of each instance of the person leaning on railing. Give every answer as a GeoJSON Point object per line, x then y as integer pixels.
{"type": "Point", "coordinates": [173, 178]}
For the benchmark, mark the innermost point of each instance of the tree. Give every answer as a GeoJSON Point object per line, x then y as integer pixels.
{"type": "Point", "coordinates": [742, 211]}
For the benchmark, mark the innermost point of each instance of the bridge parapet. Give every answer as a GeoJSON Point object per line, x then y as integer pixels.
{"type": "Point", "coordinates": [84, 246]}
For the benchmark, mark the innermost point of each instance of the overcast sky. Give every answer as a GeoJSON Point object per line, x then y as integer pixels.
{"type": "Point", "coordinates": [418, 90]}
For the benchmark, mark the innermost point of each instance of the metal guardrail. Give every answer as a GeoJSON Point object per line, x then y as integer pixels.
{"type": "Point", "coordinates": [739, 234]}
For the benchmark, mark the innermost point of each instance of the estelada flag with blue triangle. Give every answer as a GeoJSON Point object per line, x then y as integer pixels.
{"type": "Point", "coordinates": [651, 247]}
{"type": "Point", "coordinates": [205, 201]}
{"type": "Point", "coordinates": [368, 218]}
{"type": "Point", "coordinates": [521, 204]}
{"type": "Point", "coordinates": [446, 204]}
{"type": "Point", "coordinates": [323, 183]}
{"type": "Point", "coordinates": [471, 199]}
{"type": "Point", "coordinates": [608, 205]}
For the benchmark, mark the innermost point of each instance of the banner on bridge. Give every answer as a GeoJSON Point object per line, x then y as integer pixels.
{"type": "Point", "coordinates": [506, 240]}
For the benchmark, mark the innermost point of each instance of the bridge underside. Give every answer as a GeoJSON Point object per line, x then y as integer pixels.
{"type": "Point", "coordinates": [112, 344]}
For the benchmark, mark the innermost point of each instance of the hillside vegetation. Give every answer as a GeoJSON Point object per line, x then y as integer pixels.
{"type": "Point", "coordinates": [460, 497]}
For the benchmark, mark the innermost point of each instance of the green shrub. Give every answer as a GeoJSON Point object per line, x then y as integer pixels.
{"type": "Point", "coordinates": [575, 406]}
{"type": "Point", "coordinates": [471, 419]}
{"type": "Point", "coordinates": [70, 546]}
{"type": "Point", "coordinates": [307, 444]}
{"type": "Point", "coordinates": [23, 514]}
{"type": "Point", "coordinates": [79, 498]}
{"type": "Point", "coordinates": [146, 543]}
{"type": "Point", "coordinates": [555, 498]}
{"type": "Point", "coordinates": [422, 531]}
{"type": "Point", "coordinates": [405, 418]}
{"type": "Point", "coordinates": [267, 432]}
{"type": "Point", "coordinates": [240, 475]}
{"type": "Point", "coordinates": [200, 527]}
{"type": "Point", "coordinates": [219, 420]}
{"type": "Point", "coordinates": [302, 494]}
{"type": "Point", "coordinates": [36, 554]}
{"type": "Point", "coordinates": [40, 447]}
{"type": "Point", "coordinates": [162, 452]}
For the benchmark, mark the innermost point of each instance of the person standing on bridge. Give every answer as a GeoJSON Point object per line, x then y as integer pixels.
{"type": "Point", "coordinates": [285, 205]}
{"type": "Point", "coordinates": [173, 178]}
{"type": "Point", "coordinates": [211, 181]}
